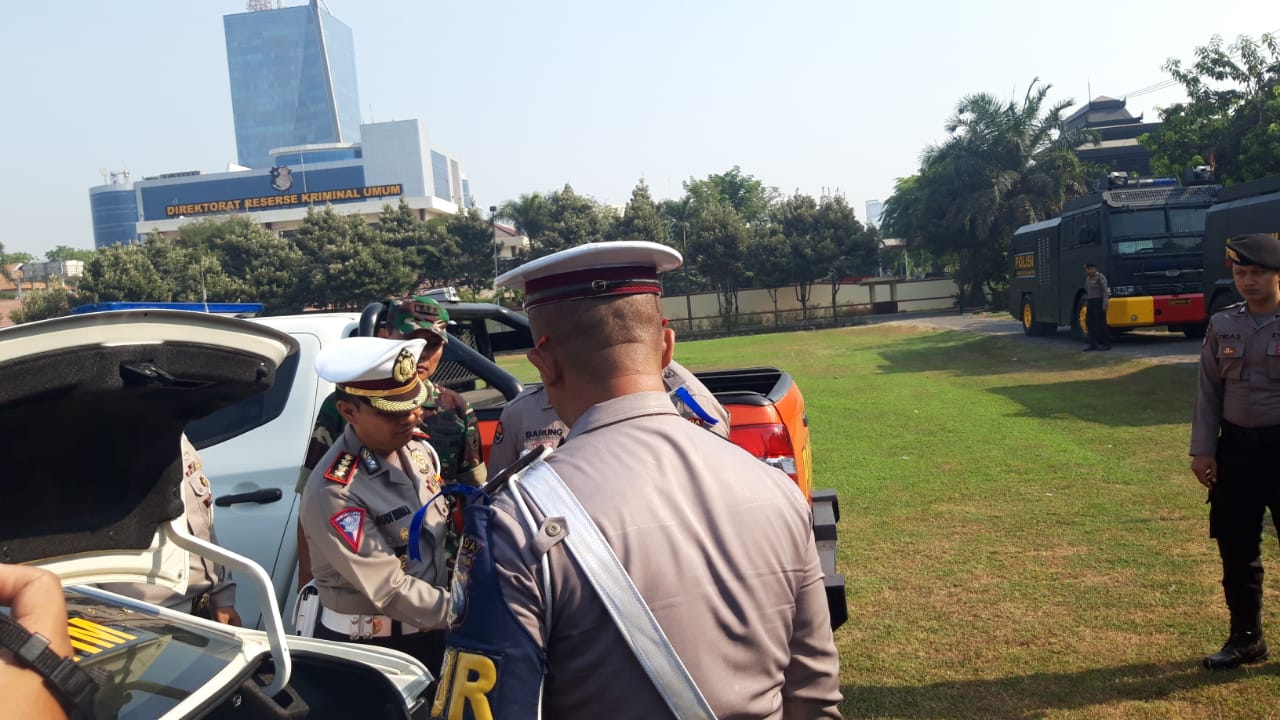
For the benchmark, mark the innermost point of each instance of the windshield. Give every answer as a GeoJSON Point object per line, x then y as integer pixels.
{"type": "Point", "coordinates": [1146, 231]}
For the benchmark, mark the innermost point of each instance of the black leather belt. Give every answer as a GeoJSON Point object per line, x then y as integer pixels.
{"type": "Point", "coordinates": [1252, 436]}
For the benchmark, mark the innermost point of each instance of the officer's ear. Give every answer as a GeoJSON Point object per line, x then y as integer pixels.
{"type": "Point", "coordinates": [549, 368]}
{"type": "Point", "coordinates": [668, 345]}
{"type": "Point", "coordinates": [347, 409]}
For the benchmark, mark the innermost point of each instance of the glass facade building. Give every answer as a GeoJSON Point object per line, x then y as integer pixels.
{"type": "Point", "coordinates": [293, 80]}
{"type": "Point", "coordinates": [114, 209]}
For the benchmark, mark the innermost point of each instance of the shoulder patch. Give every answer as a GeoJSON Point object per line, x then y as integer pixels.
{"type": "Point", "coordinates": [349, 522]}
{"type": "Point", "coordinates": [342, 469]}
{"type": "Point", "coordinates": [497, 434]}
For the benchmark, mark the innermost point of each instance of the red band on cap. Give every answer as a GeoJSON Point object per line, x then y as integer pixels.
{"type": "Point", "coordinates": [592, 283]}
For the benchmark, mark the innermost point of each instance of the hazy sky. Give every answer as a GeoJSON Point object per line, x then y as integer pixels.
{"type": "Point", "coordinates": [806, 95]}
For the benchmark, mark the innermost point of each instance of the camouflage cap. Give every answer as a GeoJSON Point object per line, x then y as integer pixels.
{"type": "Point", "coordinates": [419, 313]}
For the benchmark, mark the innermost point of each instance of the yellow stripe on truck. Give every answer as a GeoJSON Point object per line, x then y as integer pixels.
{"type": "Point", "coordinates": [1131, 312]}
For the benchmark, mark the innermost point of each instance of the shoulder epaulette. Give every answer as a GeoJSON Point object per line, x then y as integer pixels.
{"type": "Point", "coordinates": [342, 469]}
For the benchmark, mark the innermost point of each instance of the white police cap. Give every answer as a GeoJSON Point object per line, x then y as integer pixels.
{"type": "Point", "coordinates": [382, 371]}
{"type": "Point", "coordinates": [624, 267]}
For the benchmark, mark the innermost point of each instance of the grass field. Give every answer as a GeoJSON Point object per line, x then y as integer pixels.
{"type": "Point", "coordinates": [1019, 530]}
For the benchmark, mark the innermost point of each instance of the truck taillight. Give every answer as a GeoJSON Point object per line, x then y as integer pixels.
{"type": "Point", "coordinates": [771, 443]}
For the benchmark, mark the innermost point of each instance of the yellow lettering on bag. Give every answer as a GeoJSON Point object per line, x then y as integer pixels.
{"type": "Point", "coordinates": [90, 637]}
{"type": "Point", "coordinates": [474, 676]}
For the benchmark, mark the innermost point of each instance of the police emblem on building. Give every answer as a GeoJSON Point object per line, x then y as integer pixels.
{"type": "Point", "coordinates": [281, 178]}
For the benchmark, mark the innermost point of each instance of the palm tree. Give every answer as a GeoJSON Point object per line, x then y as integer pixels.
{"type": "Point", "coordinates": [528, 214]}
{"type": "Point", "coordinates": [1004, 164]}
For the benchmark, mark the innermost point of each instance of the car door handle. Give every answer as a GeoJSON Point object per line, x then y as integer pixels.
{"type": "Point", "coordinates": [268, 495]}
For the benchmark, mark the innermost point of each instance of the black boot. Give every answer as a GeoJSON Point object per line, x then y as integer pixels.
{"type": "Point", "coordinates": [1243, 646]}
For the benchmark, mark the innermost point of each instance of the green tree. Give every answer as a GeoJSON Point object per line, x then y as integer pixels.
{"type": "Point", "coordinates": [122, 273]}
{"type": "Point", "coordinates": [742, 192]}
{"type": "Point", "coordinates": [53, 302]}
{"type": "Point", "coordinates": [62, 253]}
{"type": "Point", "coordinates": [429, 251]}
{"type": "Point", "coordinates": [1003, 165]}
{"type": "Point", "coordinates": [346, 264]}
{"type": "Point", "coordinates": [571, 220]}
{"type": "Point", "coordinates": [473, 235]}
{"type": "Point", "coordinates": [528, 213]}
{"type": "Point", "coordinates": [767, 263]}
{"type": "Point", "coordinates": [641, 220]}
{"type": "Point", "coordinates": [809, 254]}
{"type": "Point", "coordinates": [719, 247]}
{"type": "Point", "coordinates": [680, 216]}
{"type": "Point", "coordinates": [852, 248]}
{"type": "Point", "coordinates": [1232, 116]}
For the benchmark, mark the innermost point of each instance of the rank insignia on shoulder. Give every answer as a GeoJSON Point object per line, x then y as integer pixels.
{"type": "Point", "coordinates": [342, 469]}
{"type": "Point", "coordinates": [349, 522]}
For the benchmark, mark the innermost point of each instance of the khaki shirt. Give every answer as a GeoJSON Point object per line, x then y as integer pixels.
{"type": "Point", "coordinates": [529, 421]}
{"type": "Point", "coordinates": [719, 545]}
{"type": "Point", "coordinates": [356, 511]}
{"type": "Point", "coordinates": [1096, 287]}
{"type": "Point", "coordinates": [205, 575]}
{"type": "Point", "coordinates": [1239, 376]}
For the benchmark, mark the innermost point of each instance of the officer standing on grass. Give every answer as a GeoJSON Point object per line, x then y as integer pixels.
{"type": "Point", "coordinates": [1097, 297]}
{"type": "Point", "coordinates": [1234, 435]}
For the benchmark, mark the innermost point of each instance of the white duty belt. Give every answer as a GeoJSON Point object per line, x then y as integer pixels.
{"type": "Point", "coordinates": [589, 549]}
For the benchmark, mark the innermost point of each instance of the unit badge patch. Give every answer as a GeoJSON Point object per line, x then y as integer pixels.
{"type": "Point", "coordinates": [497, 434]}
{"type": "Point", "coordinates": [349, 523]}
{"type": "Point", "coordinates": [342, 469]}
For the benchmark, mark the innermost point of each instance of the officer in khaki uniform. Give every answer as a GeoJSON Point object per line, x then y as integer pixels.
{"type": "Point", "coordinates": [1234, 434]}
{"type": "Point", "coordinates": [529, 421]}
{"type": "Point", "coordinates": [211, 593]}
{"type": "Point", "coordinates": [359, 502]}
{"type": "Point", "coordinates": [718, 544]}
{"type": "Point", "coordinates": [448, 420]}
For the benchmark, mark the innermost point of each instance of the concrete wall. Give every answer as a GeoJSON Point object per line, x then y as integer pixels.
{"type": "Point", "coordinates": [755, 307]}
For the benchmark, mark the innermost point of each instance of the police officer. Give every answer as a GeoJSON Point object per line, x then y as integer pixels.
{"type": "Point", "coordinates": [718, 544]}
{"type": "Point", "coordinates": [529, 421]}
{"type": "Point", "coordinates": [359, 502]}
{"type": "Point", "coordinates": [448, 420]}
{"type": "Point", "coordinates": [211, 593]}
{"type": "Point", "coordinates": [1234, 435]}
{"type": "Point", "coordinates": [1097, 298]}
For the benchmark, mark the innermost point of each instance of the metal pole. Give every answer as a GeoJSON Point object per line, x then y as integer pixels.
{"type": "Point", "coordinates": [493, 238]}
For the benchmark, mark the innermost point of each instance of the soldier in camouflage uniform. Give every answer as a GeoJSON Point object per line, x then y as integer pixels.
{"type": "Point", "coordinates": [448, 419]}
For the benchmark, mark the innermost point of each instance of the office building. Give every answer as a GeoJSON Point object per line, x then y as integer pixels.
{"type": "Point", "coordinates": [293, 80]}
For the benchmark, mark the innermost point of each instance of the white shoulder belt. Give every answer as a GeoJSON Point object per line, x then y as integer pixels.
{"type": "Point", "coordinates": [589, 549]}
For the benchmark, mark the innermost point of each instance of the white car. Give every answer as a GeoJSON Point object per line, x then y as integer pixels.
{"type": "Point", "coordinates": [93, 407]}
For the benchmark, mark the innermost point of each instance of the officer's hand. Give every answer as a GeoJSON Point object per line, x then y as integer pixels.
{"type": "Point", "coordinates": [227, 615]}
{"type": "Point", "coordinates": [1205, 468]}
{"type": "Point", "coordinates": [35, 600]}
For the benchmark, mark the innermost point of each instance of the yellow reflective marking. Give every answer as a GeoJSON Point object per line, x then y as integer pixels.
{"type": "Point", "coordinates": [468, 691]}
{"type": "Point", "coordinates": [83, 632]}
{"type": "Point", "coordinates": [446, 682]}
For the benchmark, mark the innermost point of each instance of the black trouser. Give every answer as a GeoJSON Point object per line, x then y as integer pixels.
{"type": "Point", "coordinates": [1096, 319]}
{"type": "Point", "coordinates": [428, 646]}
{"type": "Point", "coordinates": [1248, 484]}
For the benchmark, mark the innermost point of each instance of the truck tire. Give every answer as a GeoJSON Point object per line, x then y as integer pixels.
{"type": "Point", "coordinates": [1030, 326]}
{"type": "Point", "coordinates": [1079, 320]}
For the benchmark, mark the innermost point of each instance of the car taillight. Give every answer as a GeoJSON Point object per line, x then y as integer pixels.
{"type": "Point", "coordinates": [771, 443]}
